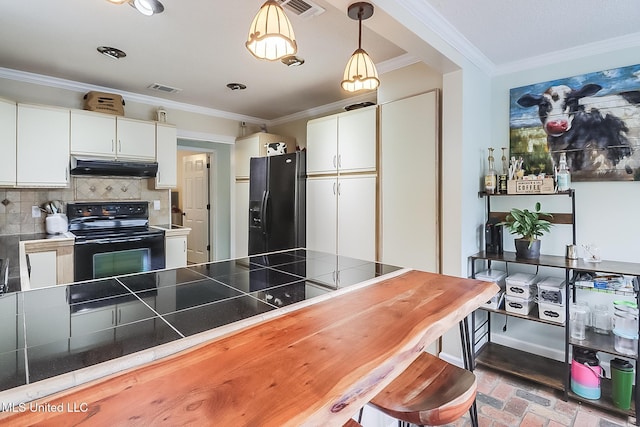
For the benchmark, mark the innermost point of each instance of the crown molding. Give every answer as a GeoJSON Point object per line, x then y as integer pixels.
{"type": "Point", "coordinates": [579, 52]}
{"type": "Point", "coordinates": [432, 19]}
{"type": "Point", "coordinates": [55, 82]}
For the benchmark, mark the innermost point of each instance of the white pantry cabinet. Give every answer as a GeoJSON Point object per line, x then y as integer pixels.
{"type": "Point", "coordinates": [8, 143]}
{"type": "Point", "coordinates": [107, 136]}
{"type": "Point", "coordinates": [341, 215]}
{"type": "Point", "coordinates": [344, 142]}
{"type": "Point", "coordinates": [342, 183]}
{"type": "Point", "coordinates": [42, 146]}
{"type": "Point", "coordinates": [167, 156]}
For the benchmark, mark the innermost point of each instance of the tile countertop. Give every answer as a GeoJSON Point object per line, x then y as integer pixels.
{"type": "Point", "coordinates": [58, 337]}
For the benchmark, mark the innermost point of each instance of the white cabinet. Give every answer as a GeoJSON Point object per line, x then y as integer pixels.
{"type": "Point", "coordinates": [342, 184]}
{"type": "Point", "coordinates": [344, 142]}
{"type": "Point", "coordinates": [242, 219]}
{"type": "Point", "coordinates": [357, 217]}
{"type": "Point", "coordinates": [136, 139]}
{"type": "Point", "coordinates": [410, 182]}
{"type": "Point", "coordinates": [7, 143]}
{"type": "Point", "coordinates": [341, 215]}
{"type": "Point", "coordinates": [322, 211]}
{"type": "Point", "coordinates": [112, 137]}
{"type": "Point", "coordinates": [176, 251]}
{"type": "Point", "coordinates": [46, 262]}
{"type": "Point", "coordinates": [322, 145]}
{"type": "Point", "coordinates": [42, 269]}
{"type": "Point", "coordinates": [255, 145]}
{"type": "Point", "coordinates": [166, 156]}
{"type": "Point", "coordinates": [43, 146]}
{"type": "Point", "coordinates": [93, 134]}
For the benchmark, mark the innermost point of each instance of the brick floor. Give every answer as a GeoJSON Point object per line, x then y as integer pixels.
{"type": "Point", "coordinates": [507, 401]}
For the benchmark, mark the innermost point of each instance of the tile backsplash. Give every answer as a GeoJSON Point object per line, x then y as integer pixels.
{"type": "Point", "coordinates": [15, 204]}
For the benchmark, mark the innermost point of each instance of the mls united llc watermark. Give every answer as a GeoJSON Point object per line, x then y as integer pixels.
{"type": "Point", "coordinates": [44, 407]}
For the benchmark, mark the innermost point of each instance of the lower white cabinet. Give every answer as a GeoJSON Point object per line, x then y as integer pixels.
{"type": "Point", "coordinates": [341, 215]}
{"type": "Point", "coordinates": [175, 247]}
{"type": "Point", "coordinates": [43, 146]}
{"type": "Point", "coordinates": [95, 326]}
{"type": "Point", "coordinates": [42, 269]}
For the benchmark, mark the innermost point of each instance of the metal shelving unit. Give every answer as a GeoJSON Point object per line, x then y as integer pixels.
{"type": "Point", "coordinates": [541, 369]}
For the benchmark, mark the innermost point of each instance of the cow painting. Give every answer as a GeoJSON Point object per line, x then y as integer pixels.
{"type": "Point", "coordinates": [598, 132]}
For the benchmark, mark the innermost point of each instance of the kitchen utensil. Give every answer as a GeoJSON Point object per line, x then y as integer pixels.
{"type": "Point", "coordinates": [572, 252]}
{"type": "Point", "coordinates": [578, 322]}
{"type": "Point", "coordinates": [601, 319]}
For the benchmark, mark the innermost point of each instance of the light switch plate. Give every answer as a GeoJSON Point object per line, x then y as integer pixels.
{"type": "Point", "coordinates": [35, 212]}
{"type": "Point", "coordinates": [156, 205]}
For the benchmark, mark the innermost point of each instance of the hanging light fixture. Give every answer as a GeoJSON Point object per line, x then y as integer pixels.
{"type": "Point", "coordinates": [146, 7]}
{"type": "Point", "coordinates": [360, 73]}
{"type": "Point", "coordinates": [271, 35]}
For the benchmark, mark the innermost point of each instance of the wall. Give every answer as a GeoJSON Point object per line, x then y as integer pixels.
{"type": "Point", "coordinates": [606, 212]}
{"type": "Point", "coordinates": [15, 212]}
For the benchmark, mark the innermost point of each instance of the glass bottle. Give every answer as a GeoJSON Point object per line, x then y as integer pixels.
{"type": "Point", "coordinates": [490, 178]}
{"type": "Point", "coordinates": [563, 178]}
{"type": "Point", "coordinates": [502, 179]}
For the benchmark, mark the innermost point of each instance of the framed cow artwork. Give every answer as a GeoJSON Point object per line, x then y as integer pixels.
{"type": "Point", "coordinates": [593, 118]}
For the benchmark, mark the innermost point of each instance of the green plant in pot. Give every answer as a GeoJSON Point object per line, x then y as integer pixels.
{"type": "Point", "coordinates": [529, 225]}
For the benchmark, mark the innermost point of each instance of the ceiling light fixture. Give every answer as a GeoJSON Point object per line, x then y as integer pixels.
{"type": "Point", "coordinates": [360, 73]}
{"type": "Point", "coordinates": [111, 52]}
{"type": "Point", "coordinates": [292, 61]}
{"type": "Point", "coordinates": [147, 7]}
{"type": "Point", "coordinates": [236, 86]}
{"type": "Point", "coordinates": [271, 34]}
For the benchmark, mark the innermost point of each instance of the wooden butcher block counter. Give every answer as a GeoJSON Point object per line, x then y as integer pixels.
{"type": "Point", "coordinates": [316, 365]}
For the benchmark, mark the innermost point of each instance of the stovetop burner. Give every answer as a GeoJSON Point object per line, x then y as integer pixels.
{"type": "Point", "coordinates": [109, 219]}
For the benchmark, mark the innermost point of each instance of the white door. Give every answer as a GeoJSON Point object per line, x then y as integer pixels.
{"type": "Point", "coordinates": [321, 214]}
{"type": "Point", "coordinates": [195, 178]}
{"type": "Point", "coordinates": [357, 217]}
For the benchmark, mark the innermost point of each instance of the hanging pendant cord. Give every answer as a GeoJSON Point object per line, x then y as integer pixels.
{"type": "Point", "coordinates": [360, 12]}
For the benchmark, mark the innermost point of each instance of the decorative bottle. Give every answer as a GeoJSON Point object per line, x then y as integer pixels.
{"type": "Point", "coordinates": [490, 178]}
{"type": "Point", "coordinates": [563, 178]}
{"type": "Point", "coordinates": [502, 179]}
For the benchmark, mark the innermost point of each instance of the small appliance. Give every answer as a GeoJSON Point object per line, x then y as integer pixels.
{"type": "Point", "coordinates": [493, 236]}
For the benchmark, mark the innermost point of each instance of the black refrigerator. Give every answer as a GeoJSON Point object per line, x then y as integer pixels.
{"type": "Point", "coordinates": [277, 200]}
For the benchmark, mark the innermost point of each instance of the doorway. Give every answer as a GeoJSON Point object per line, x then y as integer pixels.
{"type": "Point", "coordinates": [194, 202]}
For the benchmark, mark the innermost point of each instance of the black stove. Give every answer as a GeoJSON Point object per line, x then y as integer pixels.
{"type": "Point", "coordinates": [114, 238]}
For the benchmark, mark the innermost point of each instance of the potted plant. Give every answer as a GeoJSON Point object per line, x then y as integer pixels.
{"type": "Point", "coordinates": [529, 225]}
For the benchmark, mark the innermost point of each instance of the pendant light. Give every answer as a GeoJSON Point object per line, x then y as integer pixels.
{"type": "Point", "coordinates": [271, 35]}
{"type": "Point", "coordinates": [360, 73]}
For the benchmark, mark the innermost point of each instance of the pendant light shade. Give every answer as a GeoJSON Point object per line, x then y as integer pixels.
{"type": "Point", "coordinates": [271, 35]}
{"type": "Point", "coordinates": [360, 73]}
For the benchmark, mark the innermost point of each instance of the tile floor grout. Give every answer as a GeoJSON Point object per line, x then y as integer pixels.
{"type": "Point", "coordinates": [507, 401]}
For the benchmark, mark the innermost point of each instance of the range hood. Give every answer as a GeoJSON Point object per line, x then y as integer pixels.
{"type": "Point", "coordinates": [80, 166]}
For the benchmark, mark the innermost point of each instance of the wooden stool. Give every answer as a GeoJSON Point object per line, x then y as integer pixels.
{"type": "Point", "coordinates": [429, 392]}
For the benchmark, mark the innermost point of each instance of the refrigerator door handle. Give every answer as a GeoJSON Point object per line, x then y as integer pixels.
{"type": "Point", "coordinates": [265, 208]}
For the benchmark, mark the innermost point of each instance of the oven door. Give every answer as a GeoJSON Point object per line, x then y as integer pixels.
{"type": "Point", "coordinates": [107, 257]}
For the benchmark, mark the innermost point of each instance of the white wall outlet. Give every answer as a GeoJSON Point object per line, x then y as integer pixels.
{"type": "Point", "coordinates": [35, 212]}
{"type": "Point", "coordinates": [156, 205]}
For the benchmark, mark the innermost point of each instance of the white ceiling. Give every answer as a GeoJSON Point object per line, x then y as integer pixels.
{"type": "Point", "coordinates": [198, 45]}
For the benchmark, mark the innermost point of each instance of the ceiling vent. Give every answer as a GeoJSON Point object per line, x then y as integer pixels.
{"type": "Point", "coordinates": [163, 88]}
{"type": "Point", "coordinates": [302, 8]}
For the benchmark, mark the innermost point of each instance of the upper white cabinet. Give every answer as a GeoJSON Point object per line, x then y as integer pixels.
{"type": "Point", "coordinates": [42, 151]}
{"type": "Point", "coordinates": [8, 143]}
{"type": "Point", "coordinates": [136, 139]}
{"type": "Point", "coordinates": [344, 142]}
{"type": "Point", "coordinates": [166, 155]}
{"type": "Point", "coordinates": [112, 137]}
{"type": "Point", "coordinates": [322, 145]}
{"type": "Point", "coordinates": [256, 146]}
